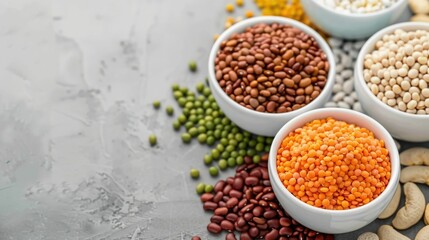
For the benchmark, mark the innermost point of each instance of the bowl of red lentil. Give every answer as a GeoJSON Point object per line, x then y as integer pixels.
{"type": "Point", "coordinates": [264, 71]}
{"type": "Point", "coordinates": [334, 170]}
{"type": "Point", "coordinates": [392, 79]}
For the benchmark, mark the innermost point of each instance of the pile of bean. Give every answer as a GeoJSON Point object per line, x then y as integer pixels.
{"type": "Point", "coordinates": [358, 6]}
{"type": "Point", "coordinates": [345, 53]}
{"type": "Point", "coordinates": [271, 68]}
{"type": "Point", "coordinates": [246, 203]}
{"type": "Point", "coordinates": [397, 71]}
{"type": "Point", "coordinates": [203, 120]}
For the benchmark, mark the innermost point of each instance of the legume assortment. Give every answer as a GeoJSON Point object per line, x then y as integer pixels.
{"type": "Point", "coordinates": [358, 6]}
{"type": "Point", "coordinates": [246, 204]}
{"type": "Point", "coordinates": [397, 71]}
{"type": "Point", "coordinates": [333, 165]}
{"type": "Point", "coordinates": [271, 68]}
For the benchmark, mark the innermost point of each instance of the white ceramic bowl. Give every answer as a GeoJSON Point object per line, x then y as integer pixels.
{"type": "Point", "coordinates": [263, 123]}
{"type": "Point", "coordinates": [352, 25]}
{"type": "Point", "coordinates": [334, 221]}
{"type": "Point", "coordinates": [404, 126]}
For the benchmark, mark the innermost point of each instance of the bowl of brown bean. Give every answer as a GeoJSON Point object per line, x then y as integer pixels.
{"type": "Point", "coordinates": [264, 71]}
{"type": "Point", "coordinates": [334, 170]}
{"type": "Point", "coordinates": [392, 78]}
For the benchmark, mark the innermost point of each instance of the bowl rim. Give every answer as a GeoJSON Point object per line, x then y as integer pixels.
{"type": "Point", "coordinates": [369, 46]}
{"type": "Point", "coordinates": [361, 15]}
{"type": "Point", "coordinates": [239, 27]}
{"type": "Point", "coordinates": [386, 137]}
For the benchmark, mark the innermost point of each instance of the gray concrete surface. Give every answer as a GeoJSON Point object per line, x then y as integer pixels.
{"type": "Point", "coordinates": [77, 79]}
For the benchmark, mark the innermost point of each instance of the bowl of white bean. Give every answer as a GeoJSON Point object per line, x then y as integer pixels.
{"type": "Point", "coordinates": [353, 19]}
{"type": "Point", "coordinates": [392, 78]}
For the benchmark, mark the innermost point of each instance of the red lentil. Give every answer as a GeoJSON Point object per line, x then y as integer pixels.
{"type": "Point", "coordinates": [333, 165]}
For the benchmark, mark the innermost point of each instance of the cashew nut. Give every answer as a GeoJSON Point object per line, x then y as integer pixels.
{"type": "Point", "coordinates": [419, 6]}
{"type": "Point", "coordinates": [420, 18]}
{"type": "Point", "coordinates": [415, 156]}
{"type": "Point", "coordinates": [416, 174]}
{"type": "Point", "coordinates": [423, 234]}
{"type": "Point", "coordinates": [387, 232]}
{"type": "Point", "coordinates": [368, 236]}
{"type": "Point", "coordinates": [414, 207]}
{"type": "Point", "coordinates": [393, 205]}
{"type": "Point", "coordinates": [426, 216]}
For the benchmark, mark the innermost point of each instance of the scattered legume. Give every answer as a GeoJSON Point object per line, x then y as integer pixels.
{"type": "Point", "coordinates": [245, 204]}
{"type": "Point", "coordinates": [397, 73]}
{"type": "Point", "coordinates": [333, 165]}
{"type": "Point", "coordinates": [213, 171]}
{"type": "Point", "coordinates": [186, 138]}
{"type": "Point", "coordinates": [249, 14]}
{"type": "Point", "coordinates": [156, 104]}
{"type": "Point", "coordinates": [276, 78]}
{"type": "Point", "coordinates": [200, 188]}
{"type": "Point", "coordinates": [169, 110]}
{"type": "Point", "coordinates": [345, 53]}
{"type": "Point", "coordinates": [239, 3]}
{"type": "Point", "coordinates": [208, 188]}
{"type": "Point", "coordinates": [196, 238]}
{"type": "Point", "coordinates": [152, 139]}
{"type": "Point", "coordinates": [229, 7]}
{"type": "Point", "coordinates": [195, 173]}
{"type": "Point", "coordinates": [193, 66]}
{"type": "Point", "coordinates": [358, 6]}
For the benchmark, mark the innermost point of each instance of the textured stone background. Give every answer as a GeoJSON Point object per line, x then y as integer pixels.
{"type": "Point", "coordinates": [77, 79]}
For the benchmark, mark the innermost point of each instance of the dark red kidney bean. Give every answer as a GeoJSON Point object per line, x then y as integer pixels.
{"type": "Point", "coordinates": [209, 206]}
{"type": "Point", "coordinates": [263, 203]}
{"type": "Point", "coordinates": [272, 235]}
{"type": "Point", "coordinates": [242, 203]}
{"type": "Point", "coordinates": [262, 226]}
{"type": "Point", "coordinates": [245, 236]}
{"type": "Point", "coordinates": [216, 219]}
{"type": "Point", "coordinates": [230, 236]}
{"type": "Point", "coordinates": [227, 189]}
{"type": "Point", "coordinates": [219, 186]}
{"type": "Point", "coordinates": [249, 194]}
{"type": "Point", "coordinates": [270, 214]}
{"type": "Point", "coordinates": [268, 196]}
{"type": "Point", "coordinates": [235, 209]}
{"type": "Point", "coordinates": [252, 181]}
{"type": "Point", "coordinates": [235, 194]}
{"type": "Point", "coordinates": [247, 208]}
{"type": "Point", "coordinates": [222, 211]}
{"type": "Point", "coordinates": [285, 222]}
{"type": "Point", "coordinates": [266, 183]}
{"type": "Point", "coordinates": [221, 204]}
{"type": "Point", "coordinates": [254, 201]}
{"type": "Point", "coordinates": [196, 238]}
{"type": "Point", "coordinates": [273, 205]}
{"type": "Point", "coordinates": [299, 228]}
{"type": "Point", "coordinates": [231, 202]}
{"type": "Point", "coordinates": [286, 231]}
{"type": "Point", "coordinates": [259, 220]}
{"type": "Point", "coordinates": [218, 196]}
{"type": "Point", "coordinates": [241, 222]}
{"type": "Point", "coordinates": [225, 198]}
{"type": "Point", "coordinates": [230, 180]}
{"type": "Point", "coordinates": [273, 223]}
{"type": "Point", "coordinates": [206, 197]}
{"type": "Point", "coordinates": [248, 216]}
{"type": "Point", "coordinates": [258, 211]}
{"type": "Point", "coordinates": [259, 196]}
{"type": "Point", "coordinates": [231, 217]}
{"type": "Point", "coordinates": [256, 173]}
{"type": "Point", "coordinates": [311, 233]}
{"type": "Point", "coordinates": [227, 225]}
{"type": "Point", "coordinates": [214, 228]}
{"type": "Point", "coordinates": [321, 237]}
{"type": "Point", "coordinates": [253, 232]}
{"type": "Point", "coordinates": [257, 189]}
{"type": "Point", "coordinates": [267, 189]}
{"type": "Point", "coordinates": [238, 183]}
